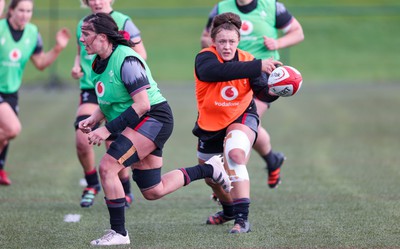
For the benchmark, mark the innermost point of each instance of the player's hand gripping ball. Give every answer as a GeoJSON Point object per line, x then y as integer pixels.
{"type": "Point", "coordinates": [285, 81]}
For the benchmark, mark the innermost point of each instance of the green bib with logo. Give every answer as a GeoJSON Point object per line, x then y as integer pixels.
{"type": "Point", "coordinates": [111, 92]}
{"type": "Point", "coordinates": [14, 55]}
{"type": "Point", "coordinates": [255, 24]}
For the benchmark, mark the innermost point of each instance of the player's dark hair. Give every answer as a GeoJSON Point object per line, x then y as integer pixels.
{"type": "Point", "coordinates": [13, 4]}
{"type": "Point", "coordinates": [102, 23]}
{"type": "Point", "coordinates": [225, 21]}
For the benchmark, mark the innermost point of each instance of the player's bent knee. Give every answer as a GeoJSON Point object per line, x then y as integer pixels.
{"type": "Point", "coordinates": [105, 168]}
{"type": "Point", "coordinates": [83, 148]}
{"type": "Point", "coordinates": [151, 195]}
{"type": "Point", "coordinates": [237, 147]}
{"type": "Point", "coordinates": [82, 145]}
{"type": "Point", "coordinates": [238, 156]}
{"type": "Point", "coordinates": [14, 131]}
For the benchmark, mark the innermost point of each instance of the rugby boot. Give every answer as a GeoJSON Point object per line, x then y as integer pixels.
{"type": "Point", "coordinates": [111, 238]}
{"type": "Point", "coordinates": [88, 195]}
{"type": "Point", "coordinates": [218, 218]}
{"type": "Point", "coordinates": [274, 172]}
{"type": "Point", "coordinates": [219, 175]}
{"type": "Point", "coordinates": [4, 180]}
{"type": "Point", "coordinates": [241, 226]}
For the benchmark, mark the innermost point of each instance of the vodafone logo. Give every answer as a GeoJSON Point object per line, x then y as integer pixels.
{"type": "Point", "coordinates": [247, 27]}
{"type": "Point", "coordinates": [100, 89]}
{"type": "Point", "coordinates": [15, 54]}
{"type": "Point", "coordinates": [229, 93]}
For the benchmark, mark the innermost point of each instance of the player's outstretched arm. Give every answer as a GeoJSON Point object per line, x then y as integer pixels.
{"type": "Point", "coordinates": [43, 60]}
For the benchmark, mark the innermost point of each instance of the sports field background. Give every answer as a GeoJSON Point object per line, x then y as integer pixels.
{"type": "Point", "coordinates": [345, 41]}
{"type": "Point", "coordinates": [340, 133]}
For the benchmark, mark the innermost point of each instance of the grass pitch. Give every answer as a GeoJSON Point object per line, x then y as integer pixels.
{"type": "Point", "coordinates": [340, 181]}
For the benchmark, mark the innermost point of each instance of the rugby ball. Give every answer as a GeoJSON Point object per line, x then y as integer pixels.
{"type": "Point", "coordinates": [285, 81]}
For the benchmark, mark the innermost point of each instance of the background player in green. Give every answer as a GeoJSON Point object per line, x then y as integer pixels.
{"type": "Point", "coordinates": [262, 22]}
{"type": "Point", "coordinates": [20, 41]}
{"type": "Point", "coordinates": [88, 100]}
{"type": "Point", "coordinates": [131, 102]}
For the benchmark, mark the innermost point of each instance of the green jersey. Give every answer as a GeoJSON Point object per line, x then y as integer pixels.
{"type": "Point", "coordinates": [255, 24]}
{"type": "Point", "coordinates": [14, 55]}
{"type": "Point", "coordinates": [85, 59]}
{"type": "Point", "coordinates": [111, 92]}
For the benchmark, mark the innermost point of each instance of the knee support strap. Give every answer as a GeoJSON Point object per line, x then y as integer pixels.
{"type": "Point", "coordinates": [146, 179]}
{"type": "Point", "coordinates": [123, 151]}
{"type": "Point", "coordinates": [236, 139]}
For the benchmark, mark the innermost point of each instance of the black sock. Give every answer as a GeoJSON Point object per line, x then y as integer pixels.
{"type": "Point", "coordinates": [92, 179]}
{"type": "Point", "coordinates": [270, 159]}
{"type": "Point", "coordinates": [197, 172]}
{"type": "Point", "coordinates": [116, 208]}
{"type": "Point", "coordinates": [3, 157]}
{"type": "Point", "coordinates": [126, 184]}
{"type": "Point", "coordinates": [242, 208]}
{"type": "Point", "coordinates": [228, 209]}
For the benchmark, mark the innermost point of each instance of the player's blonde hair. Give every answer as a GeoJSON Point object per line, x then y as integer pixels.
{"type": "Point", "coordinates": [84, 3]}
